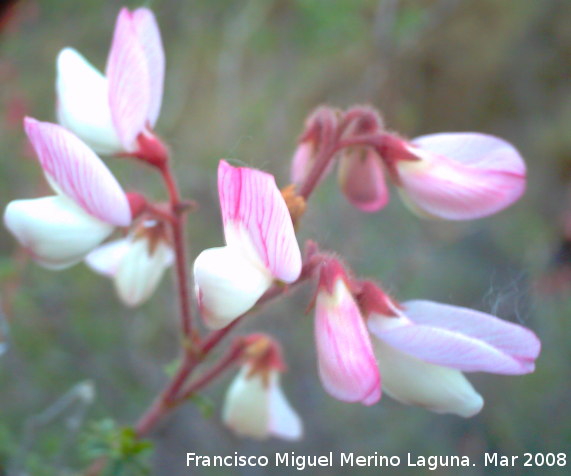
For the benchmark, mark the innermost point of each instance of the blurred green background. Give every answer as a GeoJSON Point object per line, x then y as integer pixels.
{"type": "Point", "coordinates": [241, 78]}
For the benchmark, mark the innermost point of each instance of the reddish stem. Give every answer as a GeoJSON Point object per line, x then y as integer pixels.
{"type": "Point", "coordinates": [179, 251]}
{"type": "Point", "coordinates": [223, 364]}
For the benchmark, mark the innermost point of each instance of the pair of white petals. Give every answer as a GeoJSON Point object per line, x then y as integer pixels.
{"type": "Point", "coordinates": [255, 406]}
{"type": "Point", "coordinates": [135, 265]}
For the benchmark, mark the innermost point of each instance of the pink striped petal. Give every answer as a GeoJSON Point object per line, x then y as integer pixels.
{"type": "Point", "coordinates": [347, 365]}
{"type": "Point", "coordinates": [460, 338]}
{"type": "Point", "coordinates": [129, 81]}
{"type": "Point", "coordinates": [256, 218]}
{"type": "Point", "coordinates": [461, 176]}
{"type": "Point", "coordinates": [362, 180]}
{"type": "Point", "coordinates": [78, 172]}
{"type": "Point", "coordinates": [150, 39]}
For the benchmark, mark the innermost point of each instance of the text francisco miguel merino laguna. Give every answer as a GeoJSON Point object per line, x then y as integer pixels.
{"type": "Point", "coordinates": [301, 462]}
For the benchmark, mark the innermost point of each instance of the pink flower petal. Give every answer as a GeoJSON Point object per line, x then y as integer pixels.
{"type": "Point", "coordinates": [129, 81]}
{"type": "Point", "coordinates": [303, 158]}
{"type": "Point", "coordinates": [347, 365]}
{"type": "Point", "coordinates": [362, 180]}
{"type": "Point", "coordinates": [251, 204]}
{"type": "Point", "coordinates": [150, 39]}
{"type": "Point", "coordinates": [78, 172]}
{"type": "Point", "coordinates": [460, 338]}
{"type": "Point", "coordinates": [462, 176]}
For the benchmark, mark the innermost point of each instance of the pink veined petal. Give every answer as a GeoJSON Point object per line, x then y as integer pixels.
{"type": "Point", "coordinates": [462, 338]}
{"type": "Point", "coordinates": [472, 148]}
{"type": "Point", "coordinates": [362, 180]}
{"type": "Point", "coordinates": [462, 176]}
{"type": "Point", "coordinates": [129, 82]}
{"type": "Point", "coordinates": [150, 38]}
{"type": "Point", "coordinates": [250, 201]}
{"type": "Point", "coordinates": [347, 365]}
{"type": "Point", "coordinates": [78, 172]}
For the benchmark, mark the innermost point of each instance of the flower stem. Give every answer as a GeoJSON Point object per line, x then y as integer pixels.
{"type": "Point", "coordinates": [180, 252]}
{"type": "Point", "coordinates": [223, 364]}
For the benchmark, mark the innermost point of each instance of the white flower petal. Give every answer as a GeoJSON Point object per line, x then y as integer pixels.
{"type": "Point", "coordinates": [55, 230]}
{"type": "Point", "coordinates": [140, 272]}
{"type": "Point", "coordinates": [83, 102]}
{"type": "Point", "coordinates": [258, 408]}
{"type": "Point", "coordinates": [228, 284]}
{"type": "Point", "coordinates": [105, 259]}
{"type": "Point", "coordinates": [284, 421]}
{"type": "Point", "coordinates": [246, 407]}
{"type": "Point", "coordinates": [436, 388]}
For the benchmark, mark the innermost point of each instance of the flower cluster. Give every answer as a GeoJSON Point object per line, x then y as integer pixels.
{"type": "Point", "coordinates": [366, 341]}
{"type": "Point", "coordinates": [111, 115]}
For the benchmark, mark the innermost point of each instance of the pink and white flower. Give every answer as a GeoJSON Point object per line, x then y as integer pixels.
{"type": "Point", "coordinates": [115, 113]}
{"type": "Point", "coordinates": [89, 203]}
{"type": "Point", "coordinates": [346, 362]}
{"type": "Point", "coordinates": [423, 347]}
{"type": "Point", "coordinates": [261, 246]}
{"type": "Point", "coordinates": [455, 176]}
{"type": "Point", "coordinates": [255, 404]}
{"type": "Point", "coordinates": [136, 263]}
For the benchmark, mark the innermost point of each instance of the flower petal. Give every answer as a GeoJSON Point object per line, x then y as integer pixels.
{"type": "Point", "coordinates": [246, 407]}
{"type": "Point", "coordinates": [129, 81]}
{"type": "Point", "coordinates": [105, 259]}
{"type": "Point", "coordinates": [55, 230]}
{"type": "Point", "coordinates": [150, 39]}
{"type": "Point", "coordinates": [78, 172]}
{"type": "Point", "coordinates": [227, 284]}
{"type": "Point", "coordinates": [141, 270]}
{"type": "Point", "coordinates": [362, 180]}
{"type": "Point", "coordinates": [438, 389]}
{"type": "Point", "coordinates": [284, 421]}
{"type": "Point", "coordinates": [458, 337]}
{"type": "Point", "coordinates": [461, 176]}
{"type": "Point", "coordinates": [83, 102]}
{"type": "Point", "coordinates": [302, 159]}
{"type": "Point", "coordinates": [347, 366]}
{"type": "Point", "coordinates": [253, 206]}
